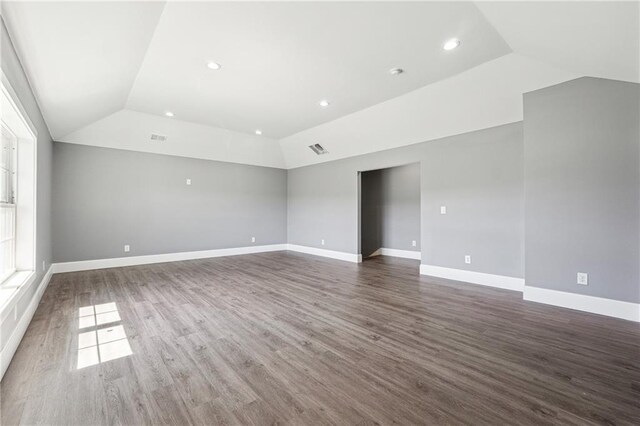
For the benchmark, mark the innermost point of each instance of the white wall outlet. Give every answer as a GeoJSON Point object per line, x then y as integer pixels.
{"type": "Point", "coordinates": [413, 243]}
{"type": "Point", "coordinates": [583, 278]}
{"type": "Point", "coordinates": [443, 209]}
{"type": "Point", "coordinates": [322, 242]}
{"type": "Point", "coordinates": [467, 259]}
{"type": "Point", "coordinates": [188, 181]}
{"type": "Point", "coordinates": [127, 248]}
{"type": "Point", "coordinates": [253, 239]}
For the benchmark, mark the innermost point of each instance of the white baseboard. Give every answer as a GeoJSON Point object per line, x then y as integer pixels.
{"type": "Point", "coordinates": [602, 306]}
{"type": "Point", "coordinates": [18, 333]}
{"type": "Point", "coordinates": [340, 255]}
{"type": "Point", "coordinates": [490, 280]}
{"type": "Point", "coordinates": [597, 305]}
{"type": "Point", "coordinates": [407, 254]}
{"type": "Point", "coordinates": [85, 265]}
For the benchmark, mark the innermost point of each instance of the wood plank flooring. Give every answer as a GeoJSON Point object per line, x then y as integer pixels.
{"type": "Point", "coordinates": [295, 339]}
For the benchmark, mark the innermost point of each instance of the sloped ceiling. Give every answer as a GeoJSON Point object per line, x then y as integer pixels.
{"type": "Point", "coordinates": [81, 57]}
{"type": "Point", "coordinates": [485, 96]}
{"type": "Point", "coordinates": [598, 39]}
{"type": "Point", "coordinates": [280, 59]}
{"type": "Point", "coordinates": [130, 130]}
{"type": "Point", "coordinates": [106, 72]}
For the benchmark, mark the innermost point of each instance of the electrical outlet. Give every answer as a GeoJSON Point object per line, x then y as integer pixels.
{"type": "Point", "coordinates": [467, 259]}
{"type": "Point", "coordinates": [443, 209]}
{"type": "Point", "coordinates": [413, 243]}
{"type": "Point", "coordinates": [583, 278]}
{"type": "Point", "coordinates": [322, 242]}
{"type": "Point", "coordinates": [253, 239]}
{"type": "Point", "coordinates": [127, 248]}
{"type": "Point", "coordinates": [188, 181]}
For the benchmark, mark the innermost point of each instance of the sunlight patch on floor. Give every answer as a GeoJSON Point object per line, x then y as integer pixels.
{"type": "Point", "coordinates": [101, 344]}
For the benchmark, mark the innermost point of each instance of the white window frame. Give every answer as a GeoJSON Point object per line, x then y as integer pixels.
{"type": "Point", "coordinates": [14, 118]}
{"type": "Point", "coordinates": [8, 208]}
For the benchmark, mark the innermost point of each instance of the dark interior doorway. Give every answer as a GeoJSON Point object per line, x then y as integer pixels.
{"type": "Point", "coordinates": [390, 210]}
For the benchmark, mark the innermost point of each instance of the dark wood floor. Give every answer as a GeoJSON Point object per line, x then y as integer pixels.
{"type": "Point", "coordinates": [290, 338]}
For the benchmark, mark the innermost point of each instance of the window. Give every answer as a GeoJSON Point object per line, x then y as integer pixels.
{"type": "Point", "coordinates": [8, 162]}
{"type": "Point", "coordinates": [18, 143]}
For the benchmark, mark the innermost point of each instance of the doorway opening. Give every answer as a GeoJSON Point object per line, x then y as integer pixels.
{"type": "Point", "coordinates": [390, 212]}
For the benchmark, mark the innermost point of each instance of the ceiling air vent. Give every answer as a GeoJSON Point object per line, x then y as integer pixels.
{"type": "Point", "coordinates": [318, 149]}
{"type": "Point", "coordinates": [159, 138]}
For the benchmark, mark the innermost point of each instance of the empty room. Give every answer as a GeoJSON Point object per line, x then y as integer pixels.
{"type": "Point", "coordinates": [332, 213]}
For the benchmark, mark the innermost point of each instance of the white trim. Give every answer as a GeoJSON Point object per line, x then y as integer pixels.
{"type": "Point", "coordinates": [490, 280]}
{"type": "Point", "coordinates": [85, 265]}
{"type": "Point", "coordinates": [12, 289]}
{"type": "Point", "coordinates": [581, 302]}
{"type": "Point", "coordinates": [17, 121]}
{"type": "Point", "coordinates": [407, 254]}
{"type": "Point", "coordinates": [18, 332]}
{"type": "Point", "coordinates": [14, 100]}
{"type": "Point", "coordinates": [340, 255]}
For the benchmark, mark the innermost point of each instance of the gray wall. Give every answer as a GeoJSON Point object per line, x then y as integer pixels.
{"type": "Point", "coordinates": [390, 200]}
{"type": "Point", "coordinates": [477, 175]}
{"type": "Point", "coordinates": [14, 73]}
{"type": "Point", "coordinates": [106, 198]}
{"type": "Point", "coordinates": [582, 173]}
{"type": "Point", "coordinates": [479, 178]}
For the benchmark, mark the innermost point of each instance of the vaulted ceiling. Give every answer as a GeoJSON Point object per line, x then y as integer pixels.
{"type": "Point", "coordinates": [106, 73]}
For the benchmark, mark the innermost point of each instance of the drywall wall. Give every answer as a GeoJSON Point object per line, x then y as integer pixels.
{"type": "Point", "coordinates": [582, 174]}
{"type": "Point", "coordinates": [16, 77]}
{"type": "Point", "coordinates": [477, 175]}
{"type": "Point", "coordinates": [401, 207]}
{"type": "Point", "coordinates": [390, 209]}
{"type": "Point", "coordinates": [105, 198]}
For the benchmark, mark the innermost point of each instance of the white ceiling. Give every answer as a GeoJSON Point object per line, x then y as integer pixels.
{"type": "Point", "coordinates": [81, 58]}
{"type": "Point", "coordinates": [485, 96]}
{"type": "Point", "coordinates": [131, 130]}
{"type": "Point", "coordinates": [279, 59]}
{"type": "Point", "coordinates": [110, 70]}
{"type": "Point", "coordinates": [600, 39]}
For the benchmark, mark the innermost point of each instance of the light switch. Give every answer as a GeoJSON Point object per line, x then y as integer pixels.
{"type": "Point", "coordinates": [583, 278]}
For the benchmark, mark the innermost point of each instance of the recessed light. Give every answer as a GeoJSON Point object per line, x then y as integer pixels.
{"type": "Point", "coordinates": [324, 103]}
{"type": "Point", "coordinates": [396, 71]}
{"type": "Point", "coordinates": [168, 114]}
{"type": "Point", "coordinates": [213, 65]}
{"type": "Point", "coordinates": [258, 132]}
{"type": "Point", "coordinates": [451, 44]}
